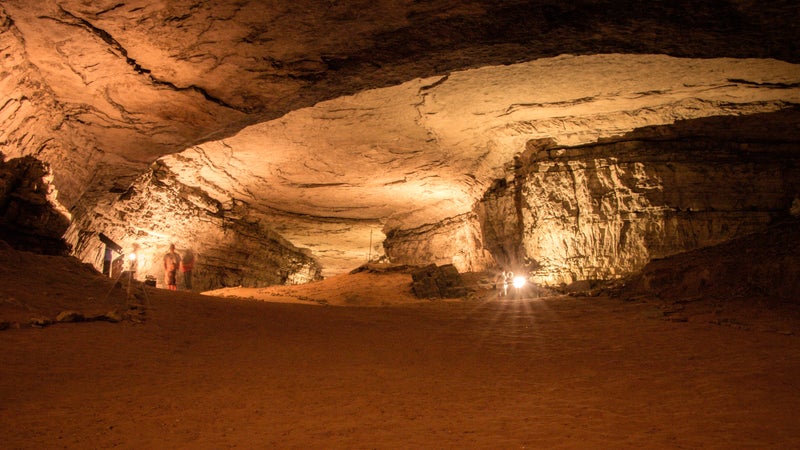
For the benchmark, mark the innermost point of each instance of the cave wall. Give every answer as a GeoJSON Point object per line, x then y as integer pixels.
{"type": "Point", "coordinates": [98, 92]}
{"type": "Point", "coordinates": [603, 211]}
{"type": "Point", "coordinates": [33, 123]}
{"type": "Point", "coordinates": [501, 222]}
{"type": "Point", "coordinates": [231, 249]}
{"type": "Point", "coordinates": [457, 241]}
{"type": "Point", "coordinates": [31, 218]}
{"type": "Point", "coordinates": [759, 268]}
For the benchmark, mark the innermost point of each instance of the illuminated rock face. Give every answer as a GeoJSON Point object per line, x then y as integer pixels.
{"type": "Point", "coordinates": [603, 211]}
{"type": "Point", "coordinates": [294, 137]}
{"type": "Point", "coordinates": [231, 249]}
{"type": "Point", "coordinates": [457, 241]}
{"type": "Point", "coordinates": [416, 158]}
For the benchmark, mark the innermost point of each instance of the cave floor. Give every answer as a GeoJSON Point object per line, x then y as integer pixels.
{"type": "Point", "coordinates": [562, 372]}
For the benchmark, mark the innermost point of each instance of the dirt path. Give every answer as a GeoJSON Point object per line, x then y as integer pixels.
{"type": "Point", "coordinates": [204, 372]}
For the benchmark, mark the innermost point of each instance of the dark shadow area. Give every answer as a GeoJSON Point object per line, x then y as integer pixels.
{"type": "Point", "coordinates": [28, 219]}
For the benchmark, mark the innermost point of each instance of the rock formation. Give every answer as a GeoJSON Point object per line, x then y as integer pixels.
{"type": "Point", "coordinates": [31, 218]}
{"type": "Point", "coordinates": [233, 249]}
{"type": "Point", "coordinates": [604, 210]}
{"type": "Point", "coordinates": [434, 281]}
{"type": "Point", "coordinates": [283, 142]}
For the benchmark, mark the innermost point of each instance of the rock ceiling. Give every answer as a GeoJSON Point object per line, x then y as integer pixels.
{"type": "Point", "coordinates": [334, 119]}
{"type": "Point", "coordinates": [426, 150]}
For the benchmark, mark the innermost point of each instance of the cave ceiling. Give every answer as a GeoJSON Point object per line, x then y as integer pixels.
{"type": "Point", "coordinates": [334, 119]}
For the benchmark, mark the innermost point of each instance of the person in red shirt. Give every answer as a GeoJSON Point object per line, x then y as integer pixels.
{"type": "Point", "coordinates": [187, 264]}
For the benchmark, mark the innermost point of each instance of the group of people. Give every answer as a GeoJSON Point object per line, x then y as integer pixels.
{"type": "Point", "coordinates": [172, 263]}
{"type": "Point", "coordinates": [502, 281]}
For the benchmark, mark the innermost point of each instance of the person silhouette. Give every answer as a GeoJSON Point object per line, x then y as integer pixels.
{"type": "Point", "coordinates": [187, 264]}
{"type": "Point", "coordinates": [171, 263]}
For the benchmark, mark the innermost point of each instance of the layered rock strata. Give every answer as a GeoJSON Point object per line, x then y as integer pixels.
{"type": "Point", "coordinates": [396, 115]}
{"type": "Point", "coordinates": [231, 248]}
{"type": "Point", "coordinates": [457, 242]}
{"type": "Point", "coordinates": [603, 211]}
{"type": "Point", "coordinates": [414, 158]}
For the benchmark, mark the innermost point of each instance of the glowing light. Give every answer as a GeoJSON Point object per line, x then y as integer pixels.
{"type": "Point", "coordinates": [132, 256]}
{"type": "Point", "coordinates": [519, 281]}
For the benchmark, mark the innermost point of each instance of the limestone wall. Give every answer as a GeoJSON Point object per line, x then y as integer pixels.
{"type": "Point", "coordinates": [31, 218]}
{"type": "Point", "coordinates": [603, 211]}
{"type": "Point", "coordinates": [457, 241]}
{"type": "Point", "coordinates": [231, 249]}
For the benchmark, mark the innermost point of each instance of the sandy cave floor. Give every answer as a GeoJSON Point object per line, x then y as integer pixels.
{"type": "Point", "coordinates": [194, 371]}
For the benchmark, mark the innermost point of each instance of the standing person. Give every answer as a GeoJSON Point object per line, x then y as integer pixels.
{"type": "Point", "coordinates": [187, 264]}
{"type": "Point", "coordinates": [133, 266]}
{"type": "Point", "coordinates": [171, 262]}
{"type": "Point", "coordinates": [501, 283]}
{"type": "Point", "coordinates": [133, 261]}
{"type": "Point", "coordinates": [508, 282]}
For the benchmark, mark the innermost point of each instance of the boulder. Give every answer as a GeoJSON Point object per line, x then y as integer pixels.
{"type": "Point", "coordinates": [434, 281]}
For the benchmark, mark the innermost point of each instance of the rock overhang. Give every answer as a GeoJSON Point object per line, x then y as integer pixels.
{"type": "Point", "coordinates": [425, 151]}
{"type": "Point", "coordinates": [118, 84]}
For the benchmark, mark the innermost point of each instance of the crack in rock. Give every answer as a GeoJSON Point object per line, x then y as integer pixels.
{"type": "Point", "coordinates": [122, 51]}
